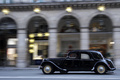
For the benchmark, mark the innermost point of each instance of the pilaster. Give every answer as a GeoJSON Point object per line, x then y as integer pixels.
{"type": "Point", "coordinates": [52, 42]}
{"type": "Point", "coordinates": [84, 38]}
{"type": "Point", "coordinates": [22, 48]}
{"type": "Point", "coordinates": [116, 46]}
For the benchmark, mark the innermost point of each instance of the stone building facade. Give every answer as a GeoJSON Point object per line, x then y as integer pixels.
{"type": "Point", "coordinates": [26, 37]}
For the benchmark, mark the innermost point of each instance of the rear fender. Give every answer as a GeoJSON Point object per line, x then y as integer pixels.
{"type": "Point", "coordinates": [50, 62]}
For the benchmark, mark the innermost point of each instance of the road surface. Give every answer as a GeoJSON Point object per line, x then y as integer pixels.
{"type": "Point", "coordinates": [36, 74]}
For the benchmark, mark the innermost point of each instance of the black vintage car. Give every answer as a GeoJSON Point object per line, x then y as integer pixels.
{"type": "Point", "coordinates": [78, 60]}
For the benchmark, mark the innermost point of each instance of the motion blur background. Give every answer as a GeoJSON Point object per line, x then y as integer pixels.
{"type": "Point", "coordinates": [31, 30]}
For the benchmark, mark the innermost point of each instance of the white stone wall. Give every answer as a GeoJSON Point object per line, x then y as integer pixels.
{"type": "Point", "coordinates": [84, 16]}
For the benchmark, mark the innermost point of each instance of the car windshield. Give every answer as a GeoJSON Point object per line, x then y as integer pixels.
{"type": "Point", "coordinates": [97, 55]}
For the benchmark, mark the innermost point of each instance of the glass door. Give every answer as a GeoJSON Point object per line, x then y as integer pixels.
{"type": "Point", "coordinates": [40, 51]}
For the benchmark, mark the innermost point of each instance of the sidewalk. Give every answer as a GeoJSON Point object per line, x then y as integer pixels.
{"type": "Point", "coordinates": [15, 68]}
{"type": "Point", "coordinates": [27, 68]}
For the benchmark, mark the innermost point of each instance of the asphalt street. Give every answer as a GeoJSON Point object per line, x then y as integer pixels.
{"type": "Point", "coordinates": [36, 74]}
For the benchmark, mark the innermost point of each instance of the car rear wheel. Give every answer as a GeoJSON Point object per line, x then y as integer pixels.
{"type": "Point", "coordinates": [101, 69]}
{"type": "Point", "coordinates": [48, 69]}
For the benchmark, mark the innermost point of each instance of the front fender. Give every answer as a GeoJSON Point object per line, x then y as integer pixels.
{"type": "Point", "coordinates": [50, 62]}
{"type": "Point", "coordinates": [100, 62]}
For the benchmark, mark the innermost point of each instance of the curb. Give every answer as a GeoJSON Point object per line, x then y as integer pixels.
{"type": "Point", "coordinates": [15, 68]}
{"type": "Point", "coordinates": [27, 68]}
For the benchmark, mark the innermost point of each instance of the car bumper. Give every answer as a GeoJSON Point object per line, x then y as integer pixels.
{"type": "Point", "coordinates": [40, 67]}
{"type": "Point", "coordinates": [112, 69]}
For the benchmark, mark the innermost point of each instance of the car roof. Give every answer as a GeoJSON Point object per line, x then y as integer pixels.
{"type": "Point", "coordinates": [84, 51]}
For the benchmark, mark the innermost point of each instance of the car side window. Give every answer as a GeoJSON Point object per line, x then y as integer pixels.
{"type": "Point", "coordinates": [73, 55]}
{"type": "Point", "coordinates": [85, 56]}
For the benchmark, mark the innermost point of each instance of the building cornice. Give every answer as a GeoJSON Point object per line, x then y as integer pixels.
{"type": "Point", "coordinates": [59, 5]}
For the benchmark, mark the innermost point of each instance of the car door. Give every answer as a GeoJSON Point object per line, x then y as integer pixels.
{"type": "Point", "coordinates": [72, 61]}
{"type": "Point", "coordinates": [87, 61]}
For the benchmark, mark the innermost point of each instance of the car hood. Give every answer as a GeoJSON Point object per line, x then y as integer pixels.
{"type": "Point", "coordinates": [52, 59]}
{"type": "Point", "coordinates": [56, 61]}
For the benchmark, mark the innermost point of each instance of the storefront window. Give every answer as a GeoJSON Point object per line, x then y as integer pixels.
{"type": "Point", "coordinates": [11, 51]}
{"type": "Point", "coordinates": [12, 41]}
{"type": "Point", "coordinates": [38, 36]}
{"type": "Point", "coordinates": [40, 50]}
{"type": "Point", "coordinates": [8, 41]}
{"type": "Point", "coordinates": [101, 35]}
{"type": "Point", "coordinates": [68, 35]}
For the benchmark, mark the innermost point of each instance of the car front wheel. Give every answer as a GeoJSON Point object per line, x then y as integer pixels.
{"type": "Point", "coordinates": [101, 69]}
{"type": "Point", "coordinates": [47, 69]}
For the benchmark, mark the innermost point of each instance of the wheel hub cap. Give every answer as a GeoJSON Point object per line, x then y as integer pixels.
{"type": "Point", "coordinates": [101, 69]}
{"type": "Point", "coordinates": [47, 68]}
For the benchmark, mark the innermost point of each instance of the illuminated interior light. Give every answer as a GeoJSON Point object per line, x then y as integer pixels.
{"type": "Point", "coordinates": [101, 8]}
{"type": "Point", "coordinates": [15, 55]}
{"type": "Point", "coordinates": [31, 51]}
{"type": "Point", "coordinates": [112, 42]}
{"type": "Point", "coordinates": [39, 34]}
{"type": "Point", "coordinates": [47, 34]}
{"type": "Point", "coordinates": [41, 57]}
{"type": "Point", "coordinates": [69, 9]}
{"type": "Point", "coordinates": [31, 45]}
{"type": "Point", "coordinates": [12, 41]}
{"type": "Point", "coordinates": [31, 35]}
{"type": "Point", "coordinates": [37, 10]}
{"type": "Point", "coordinates": [31, 40]}
{"type": "Point", "coordinates": [6, 11]}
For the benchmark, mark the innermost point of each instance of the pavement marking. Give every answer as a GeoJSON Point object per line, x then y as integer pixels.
{"type": "Point", "coordinates": [46, 77]}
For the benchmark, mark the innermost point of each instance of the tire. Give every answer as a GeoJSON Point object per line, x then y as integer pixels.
{"type": "Point", "coordinates": [101, 69]}
{"type": "Point", "coordinates": [48, 69]}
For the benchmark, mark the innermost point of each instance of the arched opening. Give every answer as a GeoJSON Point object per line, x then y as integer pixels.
{"type": "Point", "coordinates": [8, 42]}
{"type": "Point", "coordinates": [38, 39]}
{"type": "Point", "coordinates": [68, 35]}
{"type": "Point", "coordinates": [100, 23]}
{"type": "Point", "coordinates": [101, 35]}
{"type": "Point", "coordinates": [68, 24]}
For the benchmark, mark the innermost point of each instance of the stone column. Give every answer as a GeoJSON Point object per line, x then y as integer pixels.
{"type": "Point", "coordinates": [84, 38]}
{"type": "Point", "coordinates": [21, 48]}
{"type": "Point", "coordinates": [116, 47]}
{"type": "Point", "coordinates": [52, 43]}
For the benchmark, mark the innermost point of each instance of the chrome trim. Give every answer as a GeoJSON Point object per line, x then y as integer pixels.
{"type": "Point", "coordinates": [57, 66]}
{"type": "Point", "coordinates": [47, 68]}
{"type": "Point", "coordinates": [101, 68]}
{"type": "Point", "coordinates": [40, 67]}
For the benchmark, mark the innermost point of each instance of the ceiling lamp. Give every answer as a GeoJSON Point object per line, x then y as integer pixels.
{"type": "Point", "coordinates": [31, 45]}
{"type": "Point", "coordinates": [112, 42]}
{"type": "Point", "coordinates": [37, 10]}
{"type": "Point", "coordinates": [31, 50]}
{"type": "Point", "coordinates": [6, 11]}
{"type": "Point", "coordinates": [31, 40]}
{"type": "Point", "coordinates": [31, 35]}
{"type": "Point", "coordinates": [40, 35]}
{"type": "Point", "coordinates": [101, 8]}
{"type": "Point", "coordinates": [69, 9]}
{"type": "Point", "coordinates": [47, 34]}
